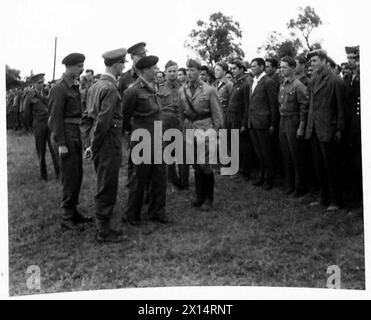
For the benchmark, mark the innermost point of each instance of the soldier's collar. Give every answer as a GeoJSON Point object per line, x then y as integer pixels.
{"type": "Point", "coordinates": [69, 81]}
{"type": "Point", "coordinates": [147, 85]}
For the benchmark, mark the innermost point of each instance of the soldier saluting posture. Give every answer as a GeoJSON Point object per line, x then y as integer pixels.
{"type": "Point", "coordinates": [36, 113]}
{"type": "Point", "coordinates": [101, 126]}
{"type": "Point", "coordinates": [65, 114]}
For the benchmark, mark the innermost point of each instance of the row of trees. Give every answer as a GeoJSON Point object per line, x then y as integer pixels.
{"type": "Point", "coordinates": [220, 37]}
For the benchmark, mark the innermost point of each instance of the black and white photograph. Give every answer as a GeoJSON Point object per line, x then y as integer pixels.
{"type": "Point", "coordinates": [176, 144]}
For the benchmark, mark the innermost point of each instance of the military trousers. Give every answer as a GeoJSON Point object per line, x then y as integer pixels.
{"type": "Point", "coordinates": [42, 138]}
{"type": "Point", "coordinates": [71, 169]}
{"type": "Point", "coordinates": [293, 152]}
{"type": "Point", "coordinates": [156, 175]}
{"type": "Point", "coordinates": [326, 163]}
{"type": "Point", "coordinates": [107, 166]}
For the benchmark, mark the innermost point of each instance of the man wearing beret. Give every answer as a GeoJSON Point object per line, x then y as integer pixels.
{"type": "Point", "coordinates": [36, 114]}
{"type": "Point", "coordinates": [65, 114]}
{"type": "Point", "coordinates": [202, 110]}
{"type": "Point", "coordinates": [172, 118]}
{"type": "Point", "coordinates": [141, 102]}
{"type": "Point", "coordinates": [325, 126]}
{"type": "Point", "coordinates": [352, 83]}
{"type": "Point", "coordinates": [101, 127]}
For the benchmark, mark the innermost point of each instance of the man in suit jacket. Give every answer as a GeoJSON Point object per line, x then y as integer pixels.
{"type": "Point", "coordinates": [261, 118]}
{"type": "Point", "coordinates": [325, 126]}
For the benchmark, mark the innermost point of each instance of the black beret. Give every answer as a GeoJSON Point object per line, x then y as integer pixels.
{"type": "Point", "coordinates": [37, 77]}
{"type": "Point", "coordinates": [352, 50]}
{"type": "Point", "coordinates": [114, 56]}
{"type": "Point", "coordinates": [146, 62]}
{"type": "Point", "coordinates": [318, 52]}
{"type": "Point", "coordinates": [73, 58]}
{"type": "Point", "coordinates": [138, 48]}
{"type": "Point", "coordinates": [170, 63]}
{"type": "Point", "coordinates": [191, 63]}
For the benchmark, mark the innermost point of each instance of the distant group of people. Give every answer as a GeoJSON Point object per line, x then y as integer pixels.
{"type": "Point", "coordinates": [298, 120]}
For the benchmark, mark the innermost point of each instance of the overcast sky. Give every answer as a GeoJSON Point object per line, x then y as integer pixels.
{"type": "Point", "coordinates": [94, 26]}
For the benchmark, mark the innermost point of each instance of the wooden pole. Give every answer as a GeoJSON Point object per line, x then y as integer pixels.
{"type": "Point", "coordinates": [55, 55]}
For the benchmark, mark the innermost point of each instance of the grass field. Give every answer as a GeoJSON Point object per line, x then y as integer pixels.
{"type": "Point", "coordinates": [253, 238]}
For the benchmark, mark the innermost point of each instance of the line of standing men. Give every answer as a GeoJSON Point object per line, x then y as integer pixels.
{"type": "Point", "coordinates": [254, 106]}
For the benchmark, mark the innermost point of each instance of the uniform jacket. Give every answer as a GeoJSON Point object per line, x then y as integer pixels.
{"type": "Point", "coordinates": [170, 103]}
{"type": "Point", "coordinates": [293, 99]}
{"type": "Point", "coordinates": [126, 80]}
{"type": "Point", "coordinates": [205, 101]}
{"type": "Point", "coordinates": [223, 91]}
{"type": "Point", "coordinates": [64, 102]}
{"type": "Point", "coordinates": [326, 106]}
{"type": "Point", "coordinates": [353, 114]}
{"type": "Point", "coordinates": [263, 105]}
{"type": "Point", "coordinates": [36, 109]}
{"type": "Point", "coordinates": [142, 103]}
{"type": "Point", "coordinates": [103, 112]}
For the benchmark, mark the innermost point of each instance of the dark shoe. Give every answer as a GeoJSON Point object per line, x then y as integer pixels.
{"type": "Point", "coordinates": [70, 224]}
{"type": "Point", "coordinates": [207, 206]}
{"type": "Point", "coordinates": [162, 220]}
{"type": "Point", "coordinates": [109, 236]}
{"type": "Point", "coordinates": [80, 218]}
{"type": "Point", "coordinates": [258, 183]}
{"type": "Point", "coordinates": [200, 190]}
{"type": "Point", "coordinates": [131, 221]}
{"type": "Point", "coordinates": [289, 191]}
{"type": "Point", "coordinates": [299, 194]}
{"type": "Point", "coordinates": [268, 186]}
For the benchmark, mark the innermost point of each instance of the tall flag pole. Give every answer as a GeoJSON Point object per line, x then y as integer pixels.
{"type": "Point", "coordinates": [55, 54]}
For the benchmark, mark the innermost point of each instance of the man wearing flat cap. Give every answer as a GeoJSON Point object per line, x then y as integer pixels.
{"type": "Point", "coordinates": [101, 127]}
{"type": "Point", "coordinates": [172, 118]}
{"type": "Point", "coordinates": [352, 83]}
{"type": "Point", "coordinates": [202, 110]}
{"type": "Point", "coordinates": [36, 114]}
{"type": "Point", "coordinates": [65, 114]}
{"type": "Point", "coordinates": [325, 126]}
{"type": "Point", "coordinates": [141, 103]}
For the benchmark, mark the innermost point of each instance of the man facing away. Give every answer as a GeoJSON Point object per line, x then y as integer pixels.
{"type": "Point", "coordinates": [101, 126]}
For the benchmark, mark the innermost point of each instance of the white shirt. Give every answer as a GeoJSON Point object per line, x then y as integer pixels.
{"type": "Point", "coordinates": [256, 81]}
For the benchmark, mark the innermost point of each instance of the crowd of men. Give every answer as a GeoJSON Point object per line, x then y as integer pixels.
{"type": "Point", "coordinates": [298, 121]}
